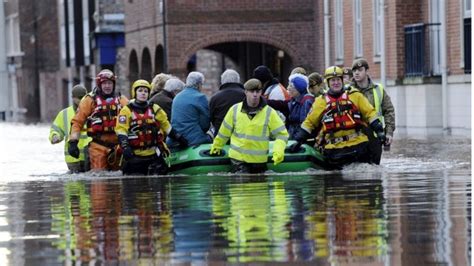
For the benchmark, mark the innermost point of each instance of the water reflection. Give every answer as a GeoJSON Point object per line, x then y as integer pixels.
{"type": "Point", "coordinates": [294, 218]}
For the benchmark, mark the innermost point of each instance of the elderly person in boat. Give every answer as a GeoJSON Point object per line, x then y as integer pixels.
{"type": "Point", "coordinates": [250, 125]}
{"type": "Point", "coordinates": [190, 112]}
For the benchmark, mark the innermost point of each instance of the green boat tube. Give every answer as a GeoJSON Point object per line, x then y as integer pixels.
{"type": "Point", "coordinates": [197, 160]}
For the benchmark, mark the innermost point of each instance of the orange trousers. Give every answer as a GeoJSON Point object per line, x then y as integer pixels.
{"type": "Point", "coordinates": [102, 158]}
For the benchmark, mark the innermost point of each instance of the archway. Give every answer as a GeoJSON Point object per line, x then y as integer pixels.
{"type": "Point", "coordinates": [133, 66]}
{"type": "Point", "coordinates": [146, 70]}
{"type": "Point", "coordinates": [241, 56]}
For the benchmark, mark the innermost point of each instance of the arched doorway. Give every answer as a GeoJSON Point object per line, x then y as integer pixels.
{"type": "Point", "coordinates": [159, 59]}
{"type": "Point", "coordinates": [146, 65]}
{"type": "Point", "coordinates": [133, 66]}
{"type": "Point", "coordinates": [244, 57]}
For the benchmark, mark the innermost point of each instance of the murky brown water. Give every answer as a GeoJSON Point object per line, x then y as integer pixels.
{"type": "Point", "coordinates": [414, 209]}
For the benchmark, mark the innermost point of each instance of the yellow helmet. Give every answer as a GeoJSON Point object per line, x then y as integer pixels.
{"type": "Point", "coordinates": [331, 72]}
{"type": "Point", "coordinates": [140, 83]}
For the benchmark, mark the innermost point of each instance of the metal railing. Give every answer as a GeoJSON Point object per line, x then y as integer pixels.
{"type": "Point", "coordinates": [422, 49]}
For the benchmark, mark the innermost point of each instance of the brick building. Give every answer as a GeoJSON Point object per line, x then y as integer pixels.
{"type": "Point", "coordinates": [53, 45]}
{"type": "Point", "coordinates": [171, 35]}
{"type": "Point", "coordinates": [403, 42]}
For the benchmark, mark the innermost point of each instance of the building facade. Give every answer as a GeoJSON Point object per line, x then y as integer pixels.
{"type": "Point", "coordinates": [419, 49]}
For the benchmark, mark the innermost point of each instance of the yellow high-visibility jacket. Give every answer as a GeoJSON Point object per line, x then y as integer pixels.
{"type": "Point", "coordinates": [61, 127]}
{"type": "Point", "coordinates": [348, 137]}
{"type": "Point", "coordinates": [124, 118]}
{"type": "Point", "coordinates": [249, 138]}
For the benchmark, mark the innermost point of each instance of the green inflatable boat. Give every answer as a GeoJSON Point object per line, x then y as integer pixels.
{"type": "Point", "coordinates": [197, 160]}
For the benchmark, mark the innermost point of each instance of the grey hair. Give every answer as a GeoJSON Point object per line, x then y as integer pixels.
{"type": "Point", "coordinates": [230, 76]}
{"type": "Point", "coordinates": [174, 85]}
{"type": "Point", "coordinates": [194, 79]}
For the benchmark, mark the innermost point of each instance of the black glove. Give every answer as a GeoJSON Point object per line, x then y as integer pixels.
{"type": "Point", "coordinates": [301, 136]}
{"type": "Point", "coordinates": [295, 147]}
{"type": "Point", "coordinates": [127, 150]}
{"type": "Point", "coordinates": [73, 150]}
{"type": "Point", "coordinates": [183, 143]}
{"type": "Point", "coordinates": [377, 127]}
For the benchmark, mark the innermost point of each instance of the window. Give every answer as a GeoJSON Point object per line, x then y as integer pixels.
{"type": "Point", "coordinates": [339, 38]}
{"type": "Point", "coordinates": [467, 35]}
{"type": "Point", "coordinates": [358, 51]}
{"type": "Point", "coordinates": [378, 9]}
{"type": "Point", "coordinates": [13, 35]}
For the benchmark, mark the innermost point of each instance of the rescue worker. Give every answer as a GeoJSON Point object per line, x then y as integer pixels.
{"type": "Point", "coordinates": [60, 130]}
{"type": "Point", "coordinates": [379, 98]}
{"type": "Point", "coordinates": [250, 125]}
{"type": "Point", "coordinates": [98, 110]}
{"type": "Point", "coordinates": [316, 84]}
{"type": "Point", "coordinates": [347, 75]}
{"type": "Point", "coordinates": [141, 129]}
{"type": "Point", "coordinates": [341, 114]}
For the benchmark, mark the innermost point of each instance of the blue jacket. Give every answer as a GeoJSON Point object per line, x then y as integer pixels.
{"type": "Point", "coordinates": [190, 116]}
{"type": "Point", "coordinates": [298, 110]}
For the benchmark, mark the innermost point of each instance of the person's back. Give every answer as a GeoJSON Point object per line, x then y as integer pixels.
{"type": "Point", "coordinates": [165, 97]}
{"type": "Point", "coordinates": [190, 112]}
{"type": "Point", "coordinates": [230, 92]}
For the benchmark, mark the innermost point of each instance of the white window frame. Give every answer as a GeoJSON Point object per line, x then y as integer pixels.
{"type": "Point", "coordinates": [358, 46]}
{"type": "Point", "coordinates": [13, 35]}
{"type": "Point", "coordinates": [339, 30]}
{"type": "Point", "coordinates": [466, 13]}
{"type": "Point", "coordinates": [377, 15]}
{"type": "Point", "coordinates": [70, 24]}
{"type": "Point", "coordinates": [85, 30]}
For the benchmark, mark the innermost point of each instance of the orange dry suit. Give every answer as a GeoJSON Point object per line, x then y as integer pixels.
{"type": "Point", "coordinates": [99, 114]}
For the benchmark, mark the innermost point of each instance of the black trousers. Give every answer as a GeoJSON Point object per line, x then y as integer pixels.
{"type": "Point", "coordinates": [145, 165]}
{"type": "Point", "coordinates": [347, 155]}
{"type": "Point", "coordinates": [247, 168]}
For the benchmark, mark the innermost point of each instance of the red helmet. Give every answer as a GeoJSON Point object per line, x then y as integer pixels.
{"type": "Point", "coordinates": [105, 74]}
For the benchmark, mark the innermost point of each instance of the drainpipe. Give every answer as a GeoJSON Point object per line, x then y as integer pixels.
{"type": "Point", "coordinates": [383, 74]}
{"type": "Point", "coordinates": [165, 46]}
{"type": "Point", "coordinates": [326, 34]}
{"type": "Point", "coordinates": [5, 102]}
{"type": "Point", "coordinates": [444, 74]}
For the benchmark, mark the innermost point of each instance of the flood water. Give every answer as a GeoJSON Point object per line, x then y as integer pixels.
{"type": "Point", "coordinates": [413, 209]}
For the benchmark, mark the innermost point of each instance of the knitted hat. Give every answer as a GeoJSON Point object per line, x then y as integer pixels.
{"type": "Point", "coordinates": [253, 84]}
{"type": "Point", "coordinates": [263, 74]}
{"type": "Point", "coordinates": [299, 82]}
{"type": "Point", "coordinates": [78, 91]}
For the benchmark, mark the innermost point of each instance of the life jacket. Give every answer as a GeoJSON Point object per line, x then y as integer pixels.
{"type": "Point", "coordinates": [144, 130]}
{"type": "Point", "coordinates": [340, 114]}
{"type": "Point", "coordinates": [103, 118]}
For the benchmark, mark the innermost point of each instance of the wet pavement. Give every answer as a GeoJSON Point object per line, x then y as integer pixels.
{"type": "Point", "coordinates": [413, 209]}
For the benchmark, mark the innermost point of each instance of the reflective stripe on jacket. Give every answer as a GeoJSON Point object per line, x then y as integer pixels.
{"type": "Point", "coordinates": [315, 117]}
{"type": "Point", "coordinates": [249, 137]}
{"type": "Point", "coordinates": [61, 128]}
{"type": "Point", "coordinates": [125, 123]}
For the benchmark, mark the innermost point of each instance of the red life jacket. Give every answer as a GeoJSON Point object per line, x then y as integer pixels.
{"type": "Point", "coordinates": [103, 118]}
{"type": "Point", "coordinates": [144, 130]}
{"type": "Point", "coordinates": [340, 114]}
